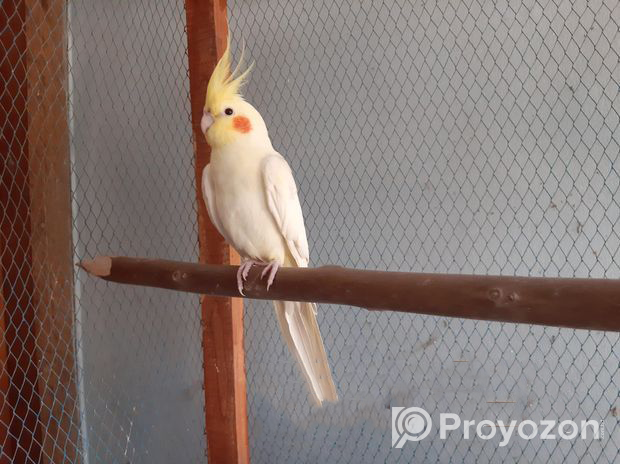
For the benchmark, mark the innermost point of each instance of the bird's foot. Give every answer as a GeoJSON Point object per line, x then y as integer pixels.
{"type": "Point", "coordinates": [272, 270]}
{"type": "Point", "coordinates": [243, 271]}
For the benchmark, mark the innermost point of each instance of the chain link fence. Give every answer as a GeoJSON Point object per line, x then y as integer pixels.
{"type": "Point", "coordinates": [455, 136]}
{"type": "Point", "coordinates": [132, 356]}
{"type": "Point", "coordinates": [134, 194]}
{"type": "Point", "coordinates": [466, 136]}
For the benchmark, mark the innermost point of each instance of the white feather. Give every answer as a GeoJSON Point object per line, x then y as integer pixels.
{"type": "Point", "coordinates": [209, 199]}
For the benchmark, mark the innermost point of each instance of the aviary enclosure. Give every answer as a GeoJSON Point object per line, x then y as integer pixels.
{"type": "Point", "coordinates": [469, 137]}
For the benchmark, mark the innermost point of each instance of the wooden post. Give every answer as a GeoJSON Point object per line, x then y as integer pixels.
{"type": "Point", "coordinates": [222, 318]}
{"type": "Point", "coordinates": [36, 343]}
{"type": "Point", "coordinates": [7, 442]}
{"type": "Point", "coordinates": [51, 224]}
{"type": "Point", "coordinates": [23, 431]}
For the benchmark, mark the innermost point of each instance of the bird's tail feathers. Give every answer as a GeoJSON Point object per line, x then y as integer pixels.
{"type": "Point", "coordinates": [301, 331]}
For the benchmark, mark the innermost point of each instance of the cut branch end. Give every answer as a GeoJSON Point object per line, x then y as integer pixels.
{"type": "Point", "coordinates": [101, 266]}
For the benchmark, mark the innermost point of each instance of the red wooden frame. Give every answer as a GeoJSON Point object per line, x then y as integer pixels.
{"type": "Point", "coordinates": [224, 372]}
{"type": "Point", "coordinates": [38, 414]}
{"type": "Point", "coordinates": [21, 402]}
{"type": "Point", "coordinates": [35, 234]}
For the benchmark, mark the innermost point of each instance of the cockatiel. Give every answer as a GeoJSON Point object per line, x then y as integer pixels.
{"type": "Point", "coordinates": [252, 200]}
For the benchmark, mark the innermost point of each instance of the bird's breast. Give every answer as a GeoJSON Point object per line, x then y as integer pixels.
{"type": "Point", "coordinates": [242, 208]}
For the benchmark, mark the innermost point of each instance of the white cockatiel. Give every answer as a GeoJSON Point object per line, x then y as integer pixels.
{"type": "Point", "coordinates": [252, 200]}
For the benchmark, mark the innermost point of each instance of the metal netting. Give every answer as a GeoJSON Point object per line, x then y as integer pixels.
{"type": "Point", "coordinates": [456, 136]}
{"type": "Point", "coordinates": [464, 136]}
{"type": "Point", "coordinates": [134, 194]}
{"type": "Point", "coordinates": [131, 357]}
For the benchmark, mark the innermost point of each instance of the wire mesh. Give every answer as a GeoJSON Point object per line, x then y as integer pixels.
{"type": "Point", "coordinates": [467, 136]}
{"type": "Point", "coordinates": [464, 136]}
{"type": "Point", "coordinates": [114, 77]}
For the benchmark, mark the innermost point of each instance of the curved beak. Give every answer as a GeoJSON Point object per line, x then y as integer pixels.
{"type": "Point", "coordinates": [206, 122]}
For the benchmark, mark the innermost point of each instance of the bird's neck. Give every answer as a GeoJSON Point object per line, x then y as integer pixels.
{"type": "Point", "coordinates": [250, 145]}
{"type": "Point", "coordinates": [240, 154]}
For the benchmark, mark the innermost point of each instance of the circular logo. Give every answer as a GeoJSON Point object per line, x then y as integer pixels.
{"type": "Point", "coordinates": [411, 424]}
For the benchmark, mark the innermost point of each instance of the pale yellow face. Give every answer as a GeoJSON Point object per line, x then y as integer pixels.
{"type": "Point", "coordinates": [227, 118]}
{"type": "Point", "coordinates": [227, 121]}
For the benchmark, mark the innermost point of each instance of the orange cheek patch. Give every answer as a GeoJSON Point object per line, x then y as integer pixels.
{"type": "Point", "coordinates": [242, 124]}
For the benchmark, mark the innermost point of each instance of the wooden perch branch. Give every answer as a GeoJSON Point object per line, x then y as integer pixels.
{"type": "Point", "coordinates": [576, 303]}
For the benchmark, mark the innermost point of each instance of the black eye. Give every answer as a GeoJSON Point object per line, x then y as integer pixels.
{"type": "Point", "coordinates": [228, 111]}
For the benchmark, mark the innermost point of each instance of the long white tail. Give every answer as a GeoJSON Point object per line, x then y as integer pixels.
{"type": "Point", "coordinates": [301, 332]}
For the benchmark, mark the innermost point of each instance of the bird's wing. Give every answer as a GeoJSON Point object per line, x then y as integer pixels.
{"type": "Point", "coordinates": [209, 198]}
{"type": "Point", "coordinates": [283, 203]}
{"type": "Point", "coordinates": [297, 320]}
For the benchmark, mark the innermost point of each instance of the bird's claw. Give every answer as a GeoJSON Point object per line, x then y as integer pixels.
{"type": "Point", "coordinates": [240, 282]}
{"type": "Point", "coordinates": [244, 270]}
{"type": "Point", "coordinates": [242, 274]}
{"type": "Point", "coordinates": [272, 270]}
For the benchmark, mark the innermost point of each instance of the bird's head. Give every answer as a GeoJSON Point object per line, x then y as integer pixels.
{"type": "Point", "coordinates": [227, 118]}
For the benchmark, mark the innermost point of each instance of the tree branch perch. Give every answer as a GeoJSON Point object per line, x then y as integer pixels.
{"type": "Point", "coordinates": [575, 303]}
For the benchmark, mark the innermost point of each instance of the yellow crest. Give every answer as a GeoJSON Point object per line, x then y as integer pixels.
{"type": "Point", "coordinates": [225, 85]}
